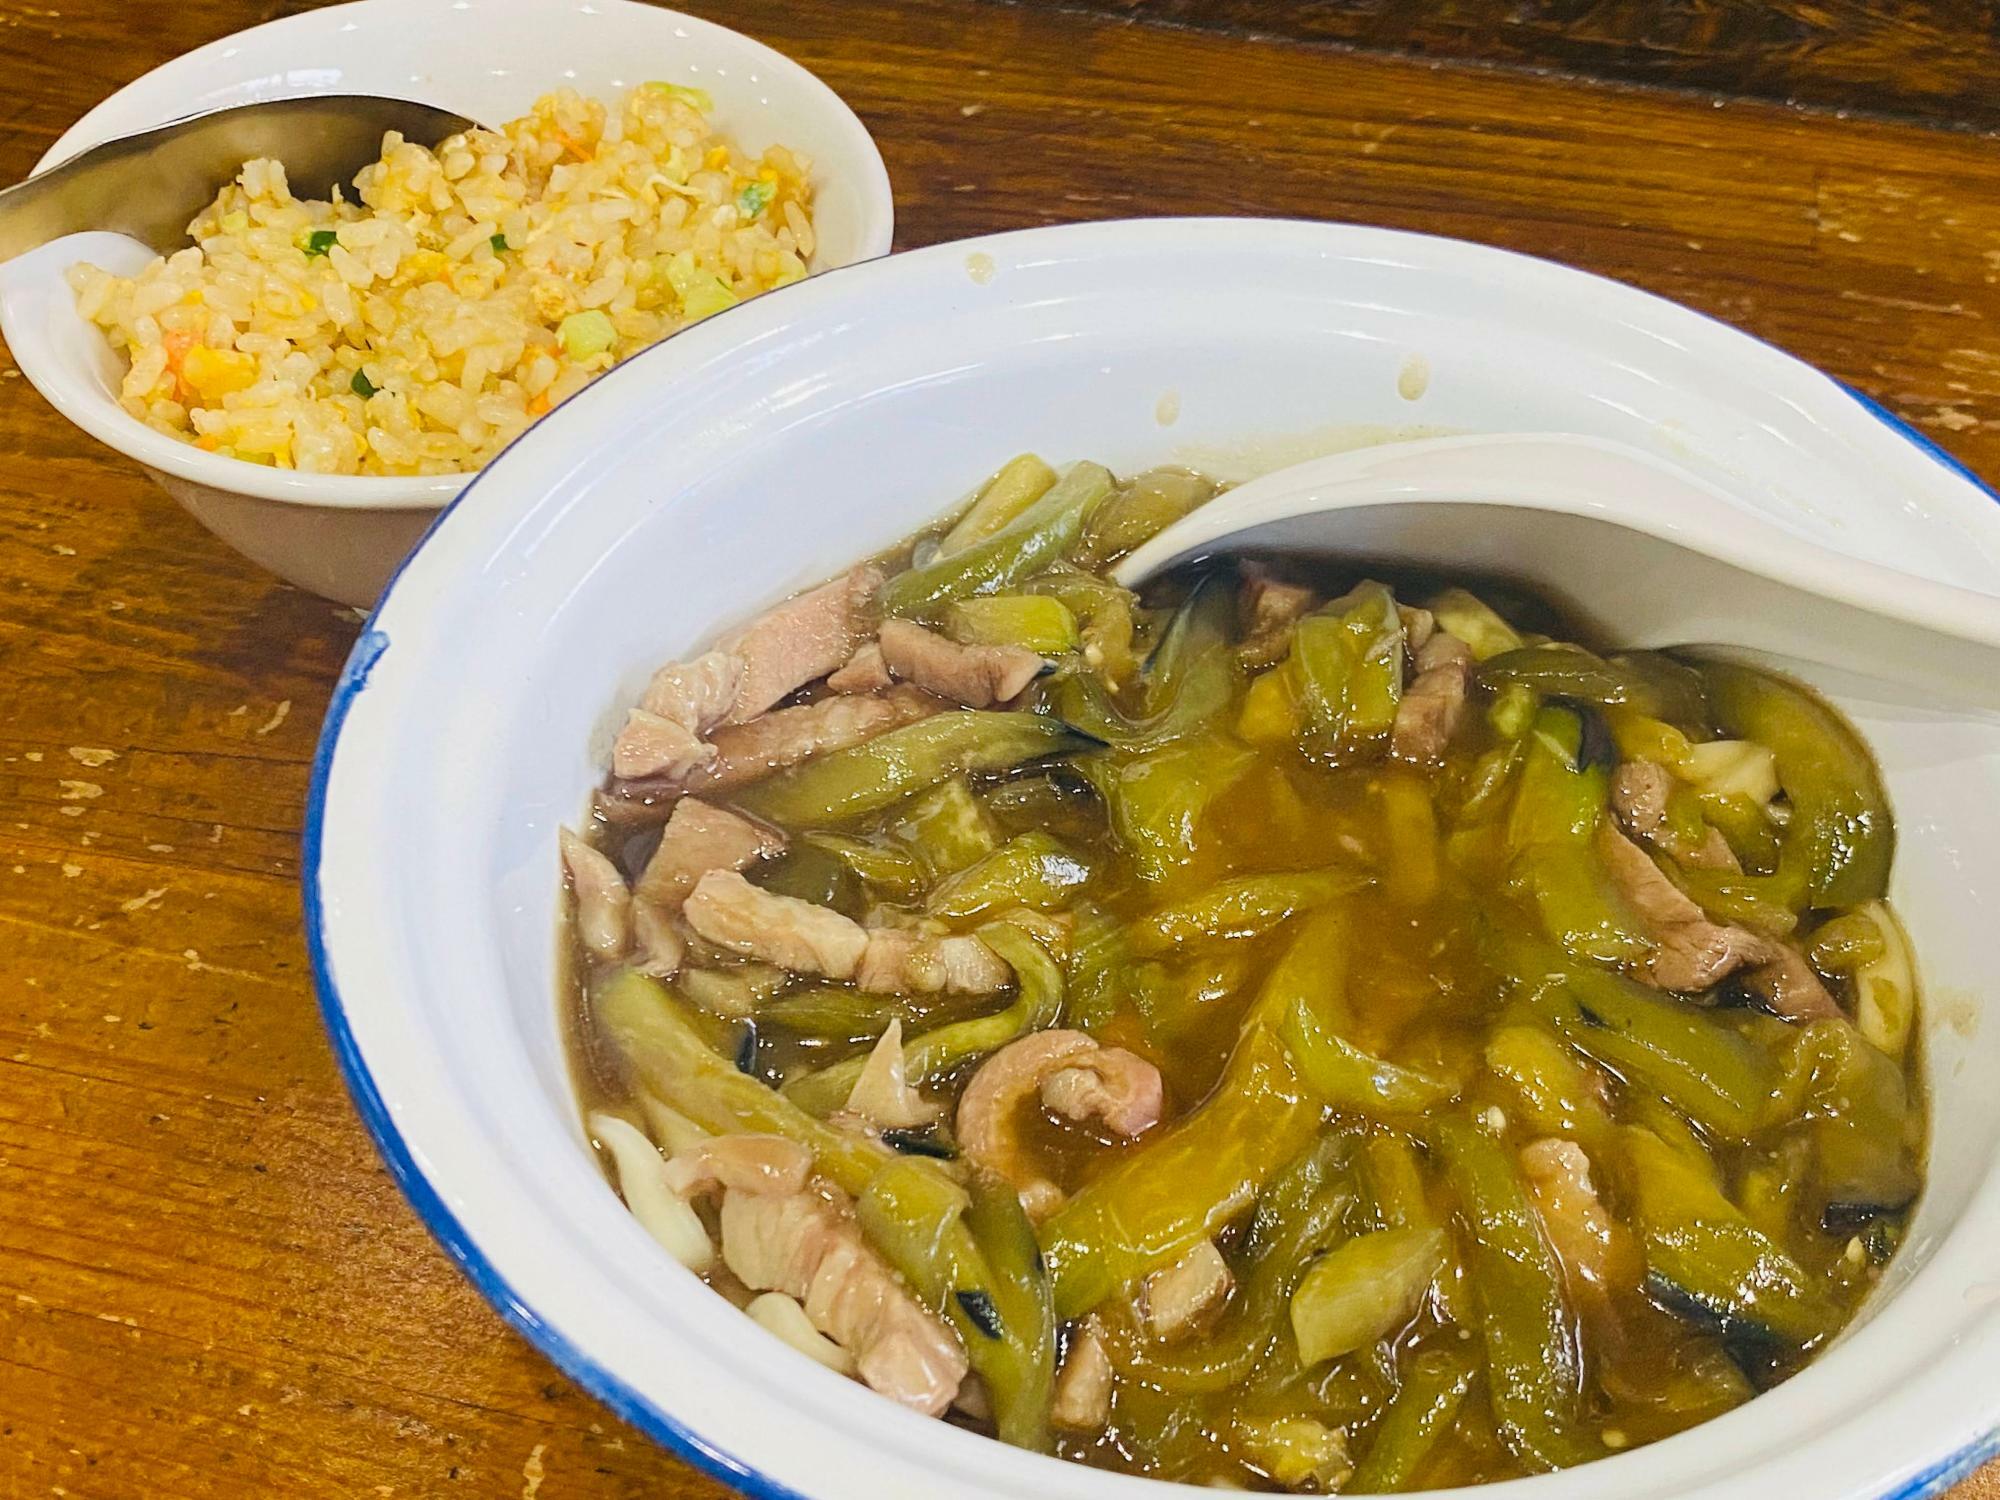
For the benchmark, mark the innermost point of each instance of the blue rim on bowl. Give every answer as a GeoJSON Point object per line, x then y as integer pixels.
{"type": "Point", "coordinates": [516, 1309]}
{"type": "Point", "coordinates": [417, 1188]}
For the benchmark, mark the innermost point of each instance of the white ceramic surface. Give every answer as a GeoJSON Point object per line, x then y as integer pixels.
{"type": "Point", "coordinates": [343, 535]}
{"type": "Point", "coordinates": [774, 444]}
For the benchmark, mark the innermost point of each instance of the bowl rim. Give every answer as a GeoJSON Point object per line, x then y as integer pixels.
{"type": "Point", "coordinates": [118, 429]}
{"type": "Point", "coordinates": [1932, 1479]}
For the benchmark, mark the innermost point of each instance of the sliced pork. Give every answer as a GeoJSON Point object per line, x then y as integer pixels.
{"type": "Point", "coordinates": [1271, 607]}
{"type": "Point", "coordinates": [1117, 1087]}
{"type": "Point", "coordinates": [747, 1163]}
{"type": "Point", "coordinates": [1073, 1074]}
{"type": "Point", "coordinates": [666, 736]}
{"type": "Point", "coordinates": [1419, 624]}
{"type": "Point", "coordinates": [1639, 793]}
{"type": "Point", "coordinates": [650, 746]}
{"type": "Point", "coordinates": [901, 961]}
{"type": "Point", "coordinates": [801, 640]}
{"type": "Point", "coordinates": [1180, 1297]}
{"type": "Point", "coordinates": [977, 676]}
{"type": "Point", "coordinates": [603, 904]}
{"type": "Point", "coordinates": [806, 1245]}
{"type": "Point", "coordinates": [695, 694]}
{"type": "Point", "coordinates": [1788, 986]}
{"type": "Point", "coordinates": [1083, 1384]}
{"type": "Point", "coordinates": [865, 672]}
{"type": "Point", "coordinates": [698, 838]}
{"type": "Point", "coordinates": [657, 945]}
{"type": "Point", "coordinates": [1433, 705]}
{"type": "Point", "coordinates": [630, 805]}
{"type": "Point", "coordinates": [1598, 1255]}
{"type": "Point", "coordinates": [1691, 953]}
{"type": "Point", "coordinates": [795, 935]}
{"type": "Point", "coordinates": [786, 736]}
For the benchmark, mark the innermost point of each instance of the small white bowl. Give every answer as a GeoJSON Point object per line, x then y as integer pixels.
{"type": "Point", "coordinates": [787, 437]}
{"type": "Point", "coordinates": [343, 535]}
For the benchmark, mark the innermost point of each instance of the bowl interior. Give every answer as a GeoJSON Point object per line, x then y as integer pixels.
{"type": "Point", "coordinates": [487, 59]}
{"type": "Point", "coordinates": [783, 439]}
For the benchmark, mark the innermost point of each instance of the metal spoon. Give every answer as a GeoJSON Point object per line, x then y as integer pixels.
{"type": "Point", "coordinates": [1646, 552]}
{"type": "Point", "coordinates": [151, 185]}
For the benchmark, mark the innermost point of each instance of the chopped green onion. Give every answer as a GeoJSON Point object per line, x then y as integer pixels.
{"type": "Point", "coordinates": [686, 93]}
{"type": "Point", "coordinates": [320, 241]}
{"type": "Point", "coordinates": [586, 334]}
{"type": "Point", "coordinates": [362, 386]}
{"type": "Point", "coordinates": [755, 195]}
{"type": "Point", "coordinates": [499, 244]}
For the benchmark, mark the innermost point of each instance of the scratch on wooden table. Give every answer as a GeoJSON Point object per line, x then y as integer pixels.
{"type": "Point", "coordinates": [1907, 304]}
{"type": "Point", "coordinates": [1952, 419]}
{"type": "Point", "coordinates": [152, 897]}
{"type": "Point", "coordinates": [188, 957]}
{"type": "Point", "coordinates": [1984, 362]}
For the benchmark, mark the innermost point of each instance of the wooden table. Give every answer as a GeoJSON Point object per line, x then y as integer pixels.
{"type": "Point", "coordinates": [208, 1286]}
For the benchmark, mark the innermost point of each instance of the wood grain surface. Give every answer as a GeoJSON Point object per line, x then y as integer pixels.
{"type": "Point", "coordinates": [1932, 62]}
{"type": "Point", "coordinates": [208, 1285]}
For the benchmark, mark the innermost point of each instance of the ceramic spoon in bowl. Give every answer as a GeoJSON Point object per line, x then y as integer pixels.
{"type": "Point", "coordinates": [152, 184]}
{"type": "Point", "coordinates": [1650, 555]}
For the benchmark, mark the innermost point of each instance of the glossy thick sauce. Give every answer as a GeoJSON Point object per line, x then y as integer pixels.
{"type": "Point", "coordinates": [1424, 990]}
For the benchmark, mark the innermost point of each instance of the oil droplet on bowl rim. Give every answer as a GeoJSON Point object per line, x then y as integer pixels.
{"type": "Point", "coordinates": [980, 267]}
{"type": "Point", "coordinates": [1414, 378]}
{"type": "Point", "coordinates": [1167, 410]}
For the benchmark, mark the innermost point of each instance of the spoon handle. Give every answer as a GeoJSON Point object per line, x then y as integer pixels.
{"type": "Point", "coordinates": [71, 198]}
{"type": "Point", "coordinates": [148, 185]}
{"type": "Point", "coordinates": [152, 184]}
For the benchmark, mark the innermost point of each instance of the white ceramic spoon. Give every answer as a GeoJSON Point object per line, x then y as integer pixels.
{"type": "Point", "coordinates": [1647, 554]}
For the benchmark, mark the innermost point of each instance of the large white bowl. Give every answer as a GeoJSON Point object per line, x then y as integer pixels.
{"type": "Point", "coordinates": [772, 445]}
{"type": "Point", "coordinates": [343, 535]}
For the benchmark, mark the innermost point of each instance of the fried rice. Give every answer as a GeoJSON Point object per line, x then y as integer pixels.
{"type": "Point", "coordinates": [471, 288]}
